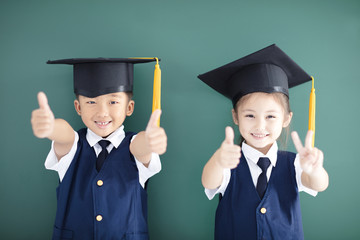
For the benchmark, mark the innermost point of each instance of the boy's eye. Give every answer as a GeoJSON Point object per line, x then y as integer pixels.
{"type": "Point", "coordinates": [90, 102]}
{"type": "Point", "coordinates": [271, 116]}
{"type": "Point", "coordinates": [113, 102]}
{"type": "Point", "coordinates": [249, 116]}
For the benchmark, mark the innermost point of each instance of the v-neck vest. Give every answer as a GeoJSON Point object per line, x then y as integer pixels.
{"type": "Point", "coordinates": [241, 214]}
{"type": "Point", "coordinates": [109, 204]}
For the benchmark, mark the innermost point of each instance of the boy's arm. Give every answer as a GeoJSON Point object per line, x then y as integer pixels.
{"type": "Point", "coordinates": [44, 125]}
{"type": "Point", "coordinates": [152, 140]}
{"type": "Point", "coordinates": [314, 176]}
{"type": "Point", "coordinates": [227, 156]}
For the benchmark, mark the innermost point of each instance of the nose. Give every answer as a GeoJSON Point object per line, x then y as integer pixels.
{"type": "Point", "coordinates": [260, 123]}
{"type": "Point", "coordinates": [103, 110]}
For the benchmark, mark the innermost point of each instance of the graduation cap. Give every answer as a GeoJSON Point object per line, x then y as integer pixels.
{"type": "Point", "coordinates": [267, 70]}
{"type": "Point", "coordinates": [97, 76]}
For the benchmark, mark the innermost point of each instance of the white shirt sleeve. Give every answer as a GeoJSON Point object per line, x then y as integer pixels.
{"type": "Point", "coordinates": [299, 171]}
{"type": "Point", "coordinates": [62, 165]}
{"type": "Point", "coordinates": [210, 193]}
{"type": "Point", "coordinates": [147, 172]}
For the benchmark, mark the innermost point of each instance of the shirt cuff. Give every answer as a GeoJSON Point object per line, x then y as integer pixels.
{"type": "Point", "coordinates": [210, 193]}
{"type": "Point", "coordinates": [299, 171]}
{"type": "Point", "coordinates": [147, 172]}
{"type": "Point", "coordinates": [61, 166]}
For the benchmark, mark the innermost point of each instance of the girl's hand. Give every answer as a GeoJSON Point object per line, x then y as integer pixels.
{"type": "Point", "coordinates": [42, 119]}
{"type": "Point", "coordinates": [311, 158]}
{"type": "Point", "coordinates": [229, 154]}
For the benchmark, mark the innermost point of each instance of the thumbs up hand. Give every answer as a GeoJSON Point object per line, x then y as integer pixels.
{"type": "Point", "coordinates": [155, 136]}
{"type": "Point", "coordinates": [42, 119]}
{"type": "Point", "coordinates": [229, 153]}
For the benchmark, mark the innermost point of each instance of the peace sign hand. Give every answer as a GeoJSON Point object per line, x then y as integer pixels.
{"type": "Point", "coordinates": [311, 158]}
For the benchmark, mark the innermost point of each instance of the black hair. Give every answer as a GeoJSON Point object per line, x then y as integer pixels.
{"type": "Point", "coordinates": [129, 94]}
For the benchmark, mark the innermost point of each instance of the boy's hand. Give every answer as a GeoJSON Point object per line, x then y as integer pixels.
{"type": "Point", "coordinates": [311, 159]}
{"type": "Point", "coordinates": [42, 119]}
{"type": "Point", "coordinates": [229, 153]}
{"type": "Point", "coordinates": [155, 137]}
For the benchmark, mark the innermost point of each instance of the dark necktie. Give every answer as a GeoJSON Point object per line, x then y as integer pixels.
{"type": "Point", "coordinates": [102, 155]}
{"type": "Point", "coordinates": [263, 163]}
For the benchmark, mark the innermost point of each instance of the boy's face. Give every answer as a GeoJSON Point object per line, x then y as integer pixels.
{"type": "Point", "coordinates": [261, 119]}
{"type": "Point", "coordinates": [105, 113]}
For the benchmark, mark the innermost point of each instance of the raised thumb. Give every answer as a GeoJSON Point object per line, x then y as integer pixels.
{"type": "Point", "coordinates": [43, 102]}
{"type": "Point", "coordinates": [229, 135]}
{"type": "Point", "coordinates": [154, 118]}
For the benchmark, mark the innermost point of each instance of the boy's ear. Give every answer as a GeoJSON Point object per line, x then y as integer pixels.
{"type": "Point", "coordinates": [130, 108]}
{"type": "Point", "coordinates": [77, 107]}
{"type": "Point", "coordinates": [235, 117]}
{"type": "Point", "coordinates": [287, 120]}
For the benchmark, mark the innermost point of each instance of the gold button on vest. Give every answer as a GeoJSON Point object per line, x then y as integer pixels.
{"type": "Point", "coordinates": [263, 210]}
{"type": "Point", "coordinates": [100, 183]}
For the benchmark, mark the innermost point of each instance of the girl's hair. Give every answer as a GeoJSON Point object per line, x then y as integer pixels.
{"type": "Point", "coordinates": [283, 100]}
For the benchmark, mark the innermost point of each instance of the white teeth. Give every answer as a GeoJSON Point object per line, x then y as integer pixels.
{"type": "Point", "coordinates": [259, 135]}
{"type": "Point", "coordinates": [102, 123]}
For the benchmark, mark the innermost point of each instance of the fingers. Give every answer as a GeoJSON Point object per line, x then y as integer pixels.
{"type": "Point", "coordinates": [229, 135]}
{"type": "Point", "coordinates": [157, 141]}
{"type": "Point", "coordinates": [230, 158]}
{"type": "Point", "coordinates": [43, 102]}
{"type": "Point", "coordinates": [42, 123]}
{"type": "Point", "coordinates": [297, 142]}
{"type": "Point", "coordinates": [311, 158]}
{"type": "Point", "coordinates": [154, 119]}
{"type": "Point", "coordinates": [309, 139]}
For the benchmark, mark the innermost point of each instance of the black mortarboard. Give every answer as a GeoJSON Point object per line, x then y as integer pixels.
{"type": "Point", "coordinates": [267, 70]}
{"type": "Point", "coordinates": [97, 76]}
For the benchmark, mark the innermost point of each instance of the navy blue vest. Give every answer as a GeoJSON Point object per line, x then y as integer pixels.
{"type": "Point", "coordinates": [241, 214]}
{"type": "Point", "coordinates": [113, 208]}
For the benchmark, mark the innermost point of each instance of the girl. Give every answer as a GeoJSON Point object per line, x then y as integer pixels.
{"type": "Point", "coordinates": [259, 184]}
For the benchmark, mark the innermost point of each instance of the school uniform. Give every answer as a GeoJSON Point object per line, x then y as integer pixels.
{"type": "Point", "coordinates": [107, 204]}
{"type": "Point", "coordinates": [245, 211]}
{"type": "Point", "coordinates": [242, 214]}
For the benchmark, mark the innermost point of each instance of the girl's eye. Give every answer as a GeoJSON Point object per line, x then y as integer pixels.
{"type": "Point", "coordinates": [249, 116]}
{"type": "Point", "coordinates": [271, 116]}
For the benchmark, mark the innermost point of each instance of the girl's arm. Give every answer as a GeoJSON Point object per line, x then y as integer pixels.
{"type": "Point", "coordinates": [314, 175]}
{"type": "Point", "coordinates": [152, 140]}
{"type": "Point", "coordinates": [227, 156]}
{"type": "Point", "coordinates": [44, 125]}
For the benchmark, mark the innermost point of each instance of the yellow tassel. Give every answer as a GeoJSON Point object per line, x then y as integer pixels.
{"type": "Point", "coordinates": [312, 111]}
{"type": "Point", "coordinates": [156, 104]}
{"type": "Point", "coordinates": [157, 88]}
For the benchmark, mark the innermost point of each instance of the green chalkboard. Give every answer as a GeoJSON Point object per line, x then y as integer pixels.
{"type": "Point", "coordinates": [191, 37]}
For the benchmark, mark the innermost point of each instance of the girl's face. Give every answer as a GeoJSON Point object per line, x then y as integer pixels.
{"type": "Point", "coordinates": [261, 118]}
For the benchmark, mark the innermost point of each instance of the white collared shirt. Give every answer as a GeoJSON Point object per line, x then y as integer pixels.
{"type": "Point", "coordinates": [252, 157]}
{"type": "Point", "coordinates": [62, 165]}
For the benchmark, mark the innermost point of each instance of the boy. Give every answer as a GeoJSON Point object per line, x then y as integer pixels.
{"type": "Point", "coordinates": [102, 169]}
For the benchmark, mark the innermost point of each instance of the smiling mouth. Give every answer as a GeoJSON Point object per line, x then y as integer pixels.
{"type": "Point", "coordinates": [102, 124]}
{"type": "Point", "coordinates": [258, 135]}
